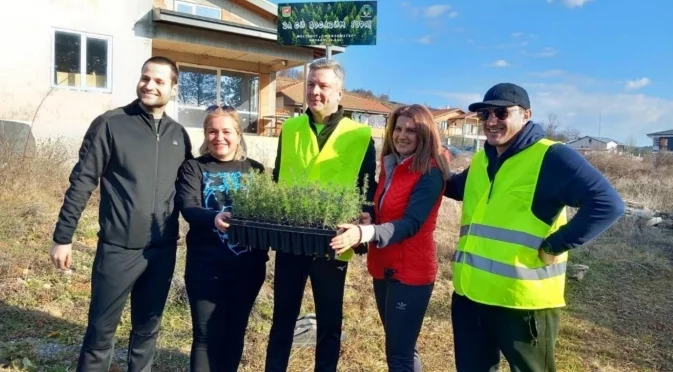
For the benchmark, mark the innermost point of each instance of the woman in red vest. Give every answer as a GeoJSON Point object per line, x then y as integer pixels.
{"type": "Point", "coordinates": [402, 258]}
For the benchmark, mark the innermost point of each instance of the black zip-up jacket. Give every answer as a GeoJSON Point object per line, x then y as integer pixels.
{"type": "Point", "coordinates": [136, 162]}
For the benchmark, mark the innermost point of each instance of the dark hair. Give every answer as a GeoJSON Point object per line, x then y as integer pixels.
{"type": "Point", "coordinates": [160, 60]}
{"type": "Point", "coordinates": [429, 146]}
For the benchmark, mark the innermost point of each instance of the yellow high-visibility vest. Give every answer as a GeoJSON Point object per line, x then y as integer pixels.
{"type": "Point", "coordinates": [338, 162]}
{"type": "Point", "coordinates": [497, 262]}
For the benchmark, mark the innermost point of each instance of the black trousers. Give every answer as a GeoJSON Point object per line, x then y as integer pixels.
{"type": "Point", "coordinates": [526, 338]}
{"type": "Point", "coordinates": [402, 310]}
{"type": "Point", "coordinates": [221, 296]}
{"type": "Point", "coordinates": [146, 275]}
{"type": "Point", "coordinates": [327, 281]}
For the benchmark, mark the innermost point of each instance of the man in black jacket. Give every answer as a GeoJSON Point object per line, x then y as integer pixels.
{"type": "Point", "coordinates": [134, 152]}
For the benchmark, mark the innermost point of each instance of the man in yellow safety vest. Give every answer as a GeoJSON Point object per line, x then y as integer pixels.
{"type": "Point", "coordinates": [320, 145]}
{"type": "Point", "coordinates": [510, 264]}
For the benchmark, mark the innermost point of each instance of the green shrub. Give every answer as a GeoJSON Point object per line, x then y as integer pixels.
{"type": "Point", "coordinates": [308, 204]}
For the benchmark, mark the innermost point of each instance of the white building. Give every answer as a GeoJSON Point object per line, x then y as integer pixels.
{"type": "Point", "coordinates": [590, 143]}
{"type": "Point", "coordinates": [72, 60]}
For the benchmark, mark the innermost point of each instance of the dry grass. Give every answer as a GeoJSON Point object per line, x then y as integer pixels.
{"type": "Point", "coordinates": [617, 318]}
{"type": "Point", "coordinates": [645, 179]}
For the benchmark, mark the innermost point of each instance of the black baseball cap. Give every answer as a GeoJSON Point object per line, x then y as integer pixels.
{"type": "Point", "coordinates": [503, 95]}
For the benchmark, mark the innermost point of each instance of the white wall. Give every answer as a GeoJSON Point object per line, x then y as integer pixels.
{"type": "Point", "coordinates": [25, 73]}
{"type": "Point", "coordinates": [232, 12]}
{"type": "Point", "coordinates": [280, 102]}
{"type": "Point", "coordinates": [590, 143]}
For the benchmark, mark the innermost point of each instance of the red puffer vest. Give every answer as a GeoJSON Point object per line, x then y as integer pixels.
{"type": "Point", "coordinates": [413, 260]}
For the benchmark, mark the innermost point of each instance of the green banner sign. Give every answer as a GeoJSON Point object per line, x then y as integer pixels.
{"type": "Point", "coordinates": [338, 23]}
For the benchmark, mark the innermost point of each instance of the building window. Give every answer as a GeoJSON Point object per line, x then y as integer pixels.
{"type": "Point", "coordinates": [200, 87]}
{"type": "Point", "coordinates": [81, 60]}
{"type": "Point", "coordinates": [199, 10]}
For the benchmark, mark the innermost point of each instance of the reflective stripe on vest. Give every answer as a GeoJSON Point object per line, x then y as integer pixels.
{"type": "Point", "coordinates": [496, 262]}
{"type": "Point", "coordinates": [496, 233]}
{"type": "Point", "coordinates": [514, 272]}
{"type": "Point", "coordinates": [338, 162]}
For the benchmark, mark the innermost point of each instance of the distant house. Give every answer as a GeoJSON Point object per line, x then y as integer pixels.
{"type": "Point", "coordinates": [461, 128]}
{"type": "Point", "coordinates": [367, 110]}
{"type": "Point", "coordinates": [662, 141]}
{"type": "Point", "coordinates": [590, 143]}
{"type": "Point", "coordinates": [394, 105]}
{"type": "Point", "coordinates": [443, 117]}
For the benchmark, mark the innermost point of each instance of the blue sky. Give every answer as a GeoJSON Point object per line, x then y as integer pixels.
{"type": "Point", "coordinates": [579, 59]}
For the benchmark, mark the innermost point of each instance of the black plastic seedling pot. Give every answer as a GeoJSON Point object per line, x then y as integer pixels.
{"type": "Point", "coordinates": [285, 238]}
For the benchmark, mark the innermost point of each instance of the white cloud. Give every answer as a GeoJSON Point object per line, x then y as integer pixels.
{"type": "Point", "coordinates": [458, 100]}
{"type": "Point", "coordinates": [500, 63]}
{"type": "Point", "coordinates": [453, 14]}
{"type": "Point", "coordinates": [637, 84]}
{"type": "Point", "coordinates": [425, 40]}
{"type": "Point", "coordinates": [622, 114]}
{"type": "Point", "coordinates": [520, 44]}
{"type": "Point", "coordinates": [547, 52]}
{"type": "Point", "coordinates": [548, 73]}
{"type": "Point", "coordinates": [571, 3]}
{"type": "Point", "coordinates": [517, 34]}
{"type": "Point", "coordinates": [575, 3]}
{"type": "Point", "coordinates": [436, 10]}
{"type": "Point", "coordinates": [404, 4]}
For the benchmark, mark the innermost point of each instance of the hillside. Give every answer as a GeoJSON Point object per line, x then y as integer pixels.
{"type": "Point", "coordinates": [618, 318]}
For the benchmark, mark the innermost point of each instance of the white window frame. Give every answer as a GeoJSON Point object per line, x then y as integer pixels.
{"type": "Point", "coordinates": [194, 5]}
{"type": "Point", "coordinates": [218, 100]}
{"type": "Point", "coordinates": [83, 36]}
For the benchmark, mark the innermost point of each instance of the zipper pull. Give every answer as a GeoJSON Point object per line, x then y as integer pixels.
{"type": "Point", "coordinates": [157, 137]}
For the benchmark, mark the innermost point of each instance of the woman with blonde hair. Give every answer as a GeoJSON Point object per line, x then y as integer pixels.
{"type": "Point", "coordinates": [402, 257]}
{"type": "Point", "coordinates": [222, 279]}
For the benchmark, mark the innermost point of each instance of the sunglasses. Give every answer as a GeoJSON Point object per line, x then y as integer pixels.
{"type": "Point", "coordinates": [501, 113]}
{"type": "Point", "coordinates": [225, 108]}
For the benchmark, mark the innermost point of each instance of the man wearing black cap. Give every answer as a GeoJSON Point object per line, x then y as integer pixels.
{"type": "Point", "coordinates": [510, 264]}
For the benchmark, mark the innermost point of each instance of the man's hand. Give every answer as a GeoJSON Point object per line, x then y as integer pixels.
{"type": "Point", "coordinates": [365, 218]}
{"type": "Point", "coordinates": [61, 255]}
{"type": "Point", "coordinates": [220, 219]}
{"type": "Point", "coordinates": [547, 258]}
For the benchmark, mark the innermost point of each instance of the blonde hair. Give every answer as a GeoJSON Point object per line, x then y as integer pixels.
{"type": "Point", "coordinates": [428, 143]}
{"type": "Point", "coordinates": [226, 111]}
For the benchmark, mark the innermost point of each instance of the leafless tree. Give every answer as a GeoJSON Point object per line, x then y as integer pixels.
{"type": "Point", "coordinates": [292, 73]}
{"type": "Point", "coordinates": [630, 144]}
{"type": "Point", "coordinates": [551, 126]}
{"type": "Point", "coordinates": [571, 134]}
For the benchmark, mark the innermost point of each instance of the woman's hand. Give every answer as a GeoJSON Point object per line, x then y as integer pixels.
{"type": "Point", "coordinates": [220, 219]}
{"type": "Point", "coordinates": [348, 236]}
{"type": "Point", "coordinates": [365, 218]}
